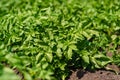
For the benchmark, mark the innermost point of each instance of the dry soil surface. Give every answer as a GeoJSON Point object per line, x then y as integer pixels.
{"type": "Point", "coordinates": [80, 74]}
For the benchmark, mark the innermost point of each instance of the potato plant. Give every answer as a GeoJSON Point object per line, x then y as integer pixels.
{"type": "Point", "coordinates": [43, 39]}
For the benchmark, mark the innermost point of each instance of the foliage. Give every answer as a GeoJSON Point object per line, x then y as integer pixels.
{"type": "Point", "coordinates": [43, 38]}
{"type": "Point", "coordinates": [8, 73]}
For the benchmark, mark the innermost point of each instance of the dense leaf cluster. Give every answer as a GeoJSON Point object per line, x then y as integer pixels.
{"type": "Point", "coordinates": [43, 39]}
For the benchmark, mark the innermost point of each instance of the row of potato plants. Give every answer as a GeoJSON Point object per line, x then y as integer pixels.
{"type": "Point", "coordinates": [44, 39]}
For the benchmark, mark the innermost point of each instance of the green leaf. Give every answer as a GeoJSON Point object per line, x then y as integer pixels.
{"type": "Point", "coordinates": [73, 47]}
{"type": "Point", "coordinates": [69, 53]}
{"type": "Point", "coordinates": [93, 61]}
{"type": "Point", "coordinates": [86, 62]}
{"type": "Point", "coordinates": [102, 60]}
{"type": "Point", "coordinates": [114, 37]}
{"type": "Point", "coordinates": [27, 76]}
{"type": "Point", "coordinates": [59, 53]}
{"type": "Point", "coordinates": [86, 59]}
{"type": "Point", "coordinates": [8, 73]}
{"type": "Point", "coordinates": [38, 56]}
{"type": "Point", "coordinates": [49, 57]}
{"type": "Point", "coordinates": [60, 45]}
{"type": "Point", "coordinates": [62, 66]}
{"type": "Point", "coordinates": [88, 36]}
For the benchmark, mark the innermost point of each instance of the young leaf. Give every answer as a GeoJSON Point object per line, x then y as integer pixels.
{"type": "Point", "coordinates": [49, 57]}
{"type": "Point", "coordinates": [69, 53]}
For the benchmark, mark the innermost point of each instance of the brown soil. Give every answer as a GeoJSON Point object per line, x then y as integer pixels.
{"type": "Point", "coordinates": [80, 74]}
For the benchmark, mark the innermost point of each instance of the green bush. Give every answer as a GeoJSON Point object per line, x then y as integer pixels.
{"type": "Point", "coordinates": [44, 38]}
